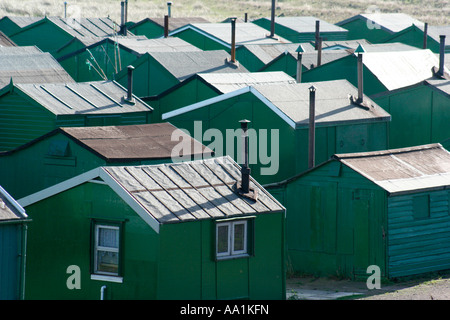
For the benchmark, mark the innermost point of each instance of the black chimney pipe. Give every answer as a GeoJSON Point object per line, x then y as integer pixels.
{"type": "Point", "coordinates": [299, 63]}
{"type": "Point", "coordinates": [166, 26]}
{"type": "Point", "coordinates": [316, 45]}
{"type": "Point", "coordinates": [233, 39]}
{"type": "Point", "coordinates": [425, 35]}
{"type": "Point", "coordinates": [319, 51]}
{"type": "Point", "coordinates": [130, 83]}
{"type": "Point", "coordinates": [245, 170]}
{"type": "Point", "coordinates": [441, 55]}
{"type": "Point", "coordinates": [123, 27]}
{"type": "Point", "coordinates": [312, 126]}
{"type": "Point", "coordinates": [169, 9]}
{"type": "Point", "coordinates": [272, 20]}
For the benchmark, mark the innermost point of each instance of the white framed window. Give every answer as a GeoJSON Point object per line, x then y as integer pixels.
{"type": "Point", "coordinates": [231, 239]}
{"type": "Point", "coordinates": [106, 250]}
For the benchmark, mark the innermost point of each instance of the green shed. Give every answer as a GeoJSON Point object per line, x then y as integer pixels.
{"type": "Point", "coordinates": [52, 33]}
{"type": "Point", "coordinates": [288, 60]}
{"type": "Point", "coordinates": [171, 231]}
{"type": "Point", "coordinates": [13, 235]}
{"type": "Point", "coordinates": [420, 113]}
{"type": "Point", "coordinates": [388, 209]}
{"type": "Point", "coordinates": [414, 36]}
{"type": "Point", "coordinates": [218, 36]}
{"type": "Point", "coordinates": [203, 86]}
{"type": "Point", "coordinates": [103, 59]}
{"type": "Point", "coordinates": [279, 127]}
{"type": "Point", "coordinates": [67, 152]}
{"type": "Point", "coordinates": [385, 68]}
{"type": "Point", "coordinates": [376, 27]}
{"type": "Point", "coordinates": [303, 29]}
{"type": "Point", "coordinates": [28, 111]}
{"type": "Point", "coordinates": [12, 24]}
{"type": "Point", "coordinates": [256, 56]}
{"type": "Point", "coordinates": [157, 72]}
{"type": "Point", "coordinates": [154, 27]}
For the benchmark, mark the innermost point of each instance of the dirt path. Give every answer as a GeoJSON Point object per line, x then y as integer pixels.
{"type": "Point", "coordinates": [427, 287]}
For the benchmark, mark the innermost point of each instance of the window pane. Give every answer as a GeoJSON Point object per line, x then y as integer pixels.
{"type": "Point", "coordinates": [108, 237]}
{"type": "Point", "coordinates": [239, 237]}
{"type": "Point", "coordinates": [108, 261]}
{"type": "Point", "coordinates": [222, 239]}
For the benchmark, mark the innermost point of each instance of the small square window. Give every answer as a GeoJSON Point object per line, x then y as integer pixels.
{"type": "Point", "coordinates": [231, 239]}
{"type": "Point", "coordinates": [106, 250]}
{"type": "Point", "coordinates": [421, 207]}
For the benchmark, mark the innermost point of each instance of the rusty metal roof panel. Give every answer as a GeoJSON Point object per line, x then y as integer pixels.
{"type": "Point", "coordinates": [193, 190]}
{"type": "Point", "coordinates": [137, 142]}
{"type": "Point", "coordinates": [403, 170]}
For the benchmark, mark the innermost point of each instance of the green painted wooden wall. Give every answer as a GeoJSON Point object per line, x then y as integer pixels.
{"type": "Point", "coordinates": [174, 264]}
{"type": "Point", "coordinates": [200, 41]}
{"type": "Point", "coordinates": [188, 92]}
{"type": "Point", "coordinates": [45, 35]}
{"type": "Point", "coordinates": [419, 233]}
{"type": "Point", "coordinates": [360, 29]}
{"type": "Point", "coordinates": [299, 37]}
{"type": "Point", "coordinates": [334, 222]}
{"type": "Point", "coordinates": [23, 119]}
{"type": "Point", "coordinates": [105, 59]}
{"type": "Point", "coordinates": [293, 144]}
{"type": "Point", "coordinates": [150, 78]}
{"type": "Point", "coordinates": [420, 115]}
{"type": "Point", "coordinates": [11, 260]}
{"type": "Point", "coordinates": [345, 68]}
{"type": "Point", "coordinates": [149, 29]}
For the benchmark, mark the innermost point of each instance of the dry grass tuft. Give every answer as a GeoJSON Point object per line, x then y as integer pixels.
{"type": "Point", "coordinates": [435, 12]}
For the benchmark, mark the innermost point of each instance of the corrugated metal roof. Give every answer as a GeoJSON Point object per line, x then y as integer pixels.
{"type": "Point", "coordinates": [30, 65]}
{"type": "Point", "coordinates": [185, 64]}
{"type": "Point", "coordinates": [88, 27]}
{"type": "Point", "coordinates": [142, 45]}
{"type": "Point", "coordinates": [403, 170]}
{"type": "Point", "coordinates": [246, 33]}
{"type": "Point", "coordinates": [267, 52]}
{"type": "Point", "coordinates": [23, 21]}
{"type": "Point", "coordinates": [5, 41]}
{"type": "Point", "coordinates": [137, 142]}
{"type": "Point", "coordinates": [227, 82]}
{"type": "Point", "coordinates": [174, 22]}
{"type": "Point", "coordinates": [100, 97]}
{"type": "Point", "coordinates": [333, 104]}
{"type": "Point", "coordinates": [391, 22]}
{"type": "Point", "coordinates": [9, 208]}
{"type": "Point", "coordinates": [399, 69]}
{"type": "Point", "coordinates": [307, 24]}
{"type": "Point", "coordinates": [188, 191]}
{"type": "Point", "coordinates": [309, 59]}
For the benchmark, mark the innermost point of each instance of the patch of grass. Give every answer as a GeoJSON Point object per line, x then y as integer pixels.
{"type": "Point", "coordinates": [435, 12]}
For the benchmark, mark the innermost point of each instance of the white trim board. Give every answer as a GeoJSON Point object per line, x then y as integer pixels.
{"type": "Point", "coordinates": [229, 95]}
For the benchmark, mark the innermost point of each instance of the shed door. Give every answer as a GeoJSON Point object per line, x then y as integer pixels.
{"type": "Point", "coordinates": [361, 241]}
{"type": "Point", "coordinates": [9, 258]}
{"type": "Point", "coordinates": [351, 138]}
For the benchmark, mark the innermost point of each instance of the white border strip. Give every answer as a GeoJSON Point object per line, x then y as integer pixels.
{"type": "Point", "coordinates": [229, 95]}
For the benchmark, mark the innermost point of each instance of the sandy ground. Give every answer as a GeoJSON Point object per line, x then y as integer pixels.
{"type": "Point", "coordinates": [426, 287]}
